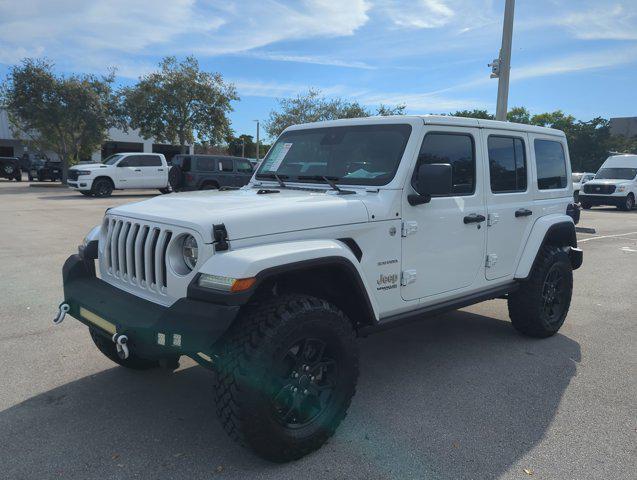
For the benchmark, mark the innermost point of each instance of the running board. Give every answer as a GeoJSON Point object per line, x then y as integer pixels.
{"type": "Point", "coordinates": [438, 308]}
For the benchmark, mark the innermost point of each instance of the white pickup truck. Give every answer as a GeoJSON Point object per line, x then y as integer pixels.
{"type": "Point", "coordinates": [119, 172]}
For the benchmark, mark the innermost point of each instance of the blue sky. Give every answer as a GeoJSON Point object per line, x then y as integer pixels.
{"type": "Point", "coordinates": [576, 55]}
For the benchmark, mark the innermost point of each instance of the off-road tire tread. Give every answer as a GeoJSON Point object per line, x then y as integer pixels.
{"type": "Point", "coordinates": [524, 303]}
{"type": "Point", "coordinates": [253, 329]}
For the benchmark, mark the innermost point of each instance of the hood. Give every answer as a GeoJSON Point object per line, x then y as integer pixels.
{"type": "Point", "coordinates": [89, 166]}
{"type": "Point", "coordinates": [245, 213]}
{"type": "Point", "coordinates": [609, 181]}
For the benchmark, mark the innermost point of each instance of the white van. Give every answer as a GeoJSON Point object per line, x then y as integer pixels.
{"type": "Point", "coordinates": [614, 184]}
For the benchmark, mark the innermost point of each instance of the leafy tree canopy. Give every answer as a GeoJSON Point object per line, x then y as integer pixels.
{"type": "Point", "coordinates": [313, 107]}
{"type": "Point", "coordinates": [69, 116]}
{"type": "Point", "coordinates": [180, 102]}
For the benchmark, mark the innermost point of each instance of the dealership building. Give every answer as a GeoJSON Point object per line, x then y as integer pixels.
{"type": "Point", "coordinates": [118, 142]}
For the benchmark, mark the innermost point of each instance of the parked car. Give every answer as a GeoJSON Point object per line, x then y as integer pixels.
{"type": "Point", "coordinates": [209, 172]}
{"type": "Point", "coordinates": [393, 219]}
{"type": "Point", "coordinates": [42, 170]}
{"type": "Point", "coordinates": [10, 168]}
{"type": "Point", "coordinates": [120, 172]}
{"type": "Point", "coordinates": [614, 184]}
{"type": "Point", "coordinates": [580, 179]}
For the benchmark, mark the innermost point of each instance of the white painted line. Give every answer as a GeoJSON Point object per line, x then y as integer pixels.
{"type": "Point", "coordinates": [607, 236]}
{"type": "Point", "coordinates": [627, 249]}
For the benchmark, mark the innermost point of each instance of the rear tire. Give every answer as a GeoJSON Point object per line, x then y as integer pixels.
{"type": "Point", "coordinates": [102, 187]}
{"type": "Point", "coordinates": [539, 308]}
{"type": "Point", "coordinates": [287, 372]}
{"type": "Point", "coordinates": [18, 176]}
{"type": "Point", "coordinates": [108, 348]}
{"type": "Point", "coordinates": [585, 205]}
{"type": "Point", "coordinates": [165, 191]}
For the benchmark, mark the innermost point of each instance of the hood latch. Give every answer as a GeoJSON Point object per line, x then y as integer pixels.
{"type": "Point", "coordinates": [220, 235]}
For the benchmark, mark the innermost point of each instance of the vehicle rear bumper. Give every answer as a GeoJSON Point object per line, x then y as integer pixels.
{"type": "Point", "coordinates": [188, 327]}
{"type": "Point", "coordinates": [602, 199]}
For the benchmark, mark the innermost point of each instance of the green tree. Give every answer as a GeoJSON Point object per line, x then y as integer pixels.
{"type": "Point", "coordinates": [312, 106]}
{"type": "Point", "coordinates": [179, 102]}
{"type": "Point", "coordinates": [519, 115]}
{"type": "Point", "coordinates": [243, 145]}
{"type": "Point", "coordinates": [475, 113]}
{"type": "Point", "coordinates": [69, 116]}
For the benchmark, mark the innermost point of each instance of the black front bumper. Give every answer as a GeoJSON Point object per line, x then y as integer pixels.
{"type": "Point", "coordinates": [188, 327]}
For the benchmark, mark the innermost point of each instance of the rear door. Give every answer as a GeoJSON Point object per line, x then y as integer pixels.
{"type": "Point", "coordinates": [509, 200]}
{"type": "Point", "coordinates": [444, 240]}
{"type": "Point", "coordinates": [225, 172]}
{"type": "Point", "coordinates": [244, 171]}
{"type": "Point", "coordinates": [153, 171]}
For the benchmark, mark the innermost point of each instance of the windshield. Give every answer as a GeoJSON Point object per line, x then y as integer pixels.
{"type": "Point", "coordinates": [616, 173]}
{"type": "Point", "coordinates": [112, 159]}
{"type": "Point", "coordinates": [355, 155]}
{"type": "Point", "coordinates": [577, 177]}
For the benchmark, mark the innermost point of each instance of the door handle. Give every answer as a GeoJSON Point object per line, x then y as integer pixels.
{"type": "Point", "coordinates": [523, 212]}
{"type": "Point", "coordinates": [137, 170]}
{"type": "Point", "coordinates": [474, 218]}
{"type": "Point", "coordinates": [160, 169]}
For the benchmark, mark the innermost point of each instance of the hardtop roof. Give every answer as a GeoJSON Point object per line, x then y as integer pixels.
{"type": "Point", "coordinates": [446, 120]}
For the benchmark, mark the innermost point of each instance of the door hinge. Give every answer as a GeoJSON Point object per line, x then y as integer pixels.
{"type": "Point", "coordinates": [408, 277]}
{"type": "Point", "coordinates": [409, 228]}
{"type": "Point", "coordinates": [492, 219]}
{"type": "Point", "coordinates": [492, 259]}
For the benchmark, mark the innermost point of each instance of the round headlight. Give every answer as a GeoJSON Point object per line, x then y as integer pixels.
{"type": "Point", "coordinates": [190, 252]}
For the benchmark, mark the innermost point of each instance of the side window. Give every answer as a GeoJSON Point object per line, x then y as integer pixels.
{"type": "Point", "coordinates": [225, 165]}
{"type": "Point", "coordinates": [206, 164]}
{"type": "Point", "coordinates": [151, 161]}
{"type": "Point", "coordinates": [132, 161]}
{"type": "Point", "coordinates": [244, 166]}
{"type": "Point", "coordinates": [456, 149]}
{"type": "Point", "coordinates": [507, 164]}
{"type": "Point", "coordinates": [551, 164]}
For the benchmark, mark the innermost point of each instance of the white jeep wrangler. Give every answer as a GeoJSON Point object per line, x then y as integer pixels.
{"type": "Point", "coordinates": [347, 227]}
{"type": "Point", "coordinates": [121, 171]}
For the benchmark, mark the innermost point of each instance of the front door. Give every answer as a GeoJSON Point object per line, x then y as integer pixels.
{"type": "Point", "coordinates": [509, 200]}
{"type": "Point", "coordinates": [444, 240]}
{"type": "Point", "coordinates": [129, 172]}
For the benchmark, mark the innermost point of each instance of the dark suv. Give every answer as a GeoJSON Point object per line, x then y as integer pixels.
{"type": "Point", "coordinates": [42, 170]}
{"type": "Point", "coordinates": [208, 172]}
{"type": "Point", "coordinates": [10, 168]}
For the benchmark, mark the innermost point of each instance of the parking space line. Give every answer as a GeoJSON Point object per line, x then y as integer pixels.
{"type": "Point", "coordinates": [608, 236]}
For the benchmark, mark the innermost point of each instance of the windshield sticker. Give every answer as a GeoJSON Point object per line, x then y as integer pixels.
{"type": "Point", "coordinates": [280, 150]}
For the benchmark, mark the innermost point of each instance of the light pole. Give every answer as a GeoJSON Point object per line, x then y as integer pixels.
{"type": "Point", "coordinates": [243, 148]}
{"type": "Point", "coordinates": [257, 139]}
{"type": "Point", "coordinates": [501, 66]}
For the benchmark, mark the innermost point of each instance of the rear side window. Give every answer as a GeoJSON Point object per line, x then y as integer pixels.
{"type": "Point", "coordinates": [507, 164]}
{"type": "Point", "coordinates": [151, 161]}
{"type": "Point", "coordinates": [456, 149]}
{"type": "Point", "coordinates": [225, 165]}
{"type": "Point", "coordinates": [244, 166]}
{"type": "Point", "coordinates": [551, 164]}
{"type": "Point", "coordinates": [206, 164]}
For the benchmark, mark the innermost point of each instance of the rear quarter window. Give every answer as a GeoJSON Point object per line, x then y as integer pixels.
{"type": "Point", "coordinates": [206, 164]}
{"type": "Point", "coordinates": [550, 161]}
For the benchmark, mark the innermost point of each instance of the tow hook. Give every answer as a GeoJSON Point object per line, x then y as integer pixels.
{"type": "Point", "coordinates": [63, 310]}
{"type": "Point", "coordinates": [122, 349]}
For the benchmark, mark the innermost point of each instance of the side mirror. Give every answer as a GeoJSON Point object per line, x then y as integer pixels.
{"type": "Point", "coordinates": [431, 179]}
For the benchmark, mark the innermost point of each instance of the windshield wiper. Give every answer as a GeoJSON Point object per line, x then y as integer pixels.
{"type": "Point", "coordinates": [274, 176]}
{"type": "Point", "coordinates": [329, 180]}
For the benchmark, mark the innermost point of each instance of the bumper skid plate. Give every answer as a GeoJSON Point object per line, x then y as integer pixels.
{"type": "Point", "coordinates": [188, 327]}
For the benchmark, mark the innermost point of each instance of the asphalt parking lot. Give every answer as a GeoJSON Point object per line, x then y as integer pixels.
{"type": "Point", "coordinates": [456, 396]}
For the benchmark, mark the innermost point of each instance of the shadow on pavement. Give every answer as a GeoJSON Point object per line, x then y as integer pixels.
{"type": "Point", "coordinates": [79, 196]}
{"type": "Point", "coordinates": [456, 396]}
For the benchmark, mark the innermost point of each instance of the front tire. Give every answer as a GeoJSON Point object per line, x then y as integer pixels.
{"type": "Point", "coordinates": [628, 204]}
{"type": "Point", "coordinates": [286, 376]}
{"type": "Point", "coordinates": [102, 187]}
{"type": "Point", "coordinates": [86, 193]}
{"type": "Point", "coordinates": [538, 309]}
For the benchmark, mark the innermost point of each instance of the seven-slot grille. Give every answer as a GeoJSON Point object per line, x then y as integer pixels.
{"type": "Point", "coordinates": [73, 175]}
{"type": "Point", "coordinates": [603, 189]}
{"type": "Point", "coordinates": [135, 253]}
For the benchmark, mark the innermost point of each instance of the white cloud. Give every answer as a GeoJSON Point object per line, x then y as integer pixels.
{"type": "Point", "coordinates": [420, 14]}
{"type": "Point", "coordinates": [310, 59]}
{"type": "Point", "coordinates": [608, 22]}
